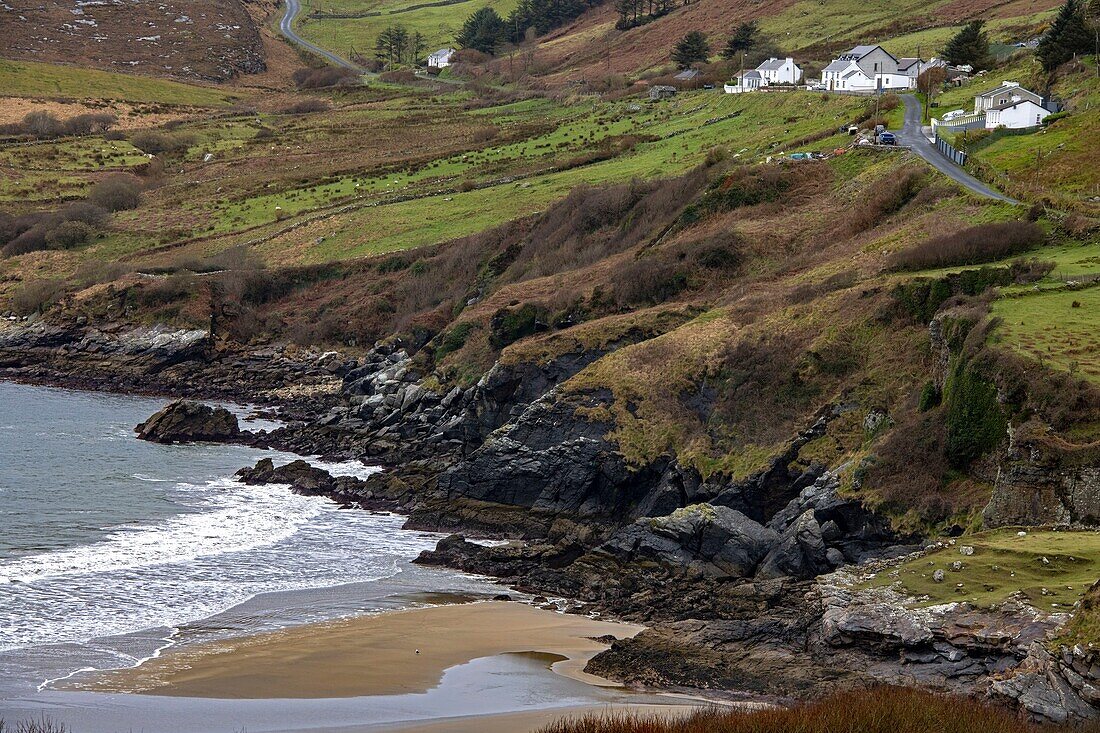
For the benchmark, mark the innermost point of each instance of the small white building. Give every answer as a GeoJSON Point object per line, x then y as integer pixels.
{"type": "Point", "coordinates": [1006, 92]}
{"type": "Point", "coordinates": [780, 71]}
{"type": "Point", "coordinates": [441, 58]}
{"type": "Point", "coordinates": [1015, 114]}
{"type": "Point", "coordinates": [749, 81]}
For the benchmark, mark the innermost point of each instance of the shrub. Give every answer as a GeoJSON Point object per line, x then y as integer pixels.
{"type": "Point", "coordinates": [327, 76]}
{"type": "Point", "coordinates": [929, 397]}
{"type": "Point", "coordinates": [35, 296]}
{"type": "Point", "coordinates": [116, 193]}
{"type": "Point", "coordinates": [69, 235]}
{"type": "Point", "coordinates": [306, 106]}
{"type": "Point", "coordinates": [649, 281]}
{"type": "Point", "coordinates": [43, 125]}
{"type": "Point", "coordinates": [87, 124]}
{"type": "Point", "coordinates": [454, 339]}
{"type": "Point", "coordinates": [971, 246]}
{"type": "Point", "coordinates": [510, 325]}
{"type": "Point", "coordinates": [745, 186]}
{"type": "Point", "coordinates": [86, 212]}
{"type": "Point", "coordinates": [975, 421]}
{"type": "Point", "coordinates": [888, 197]}
{"type": "Point", "coordinates": [31, 240]}
{"type": "Point", "coordinates": [156, 142]}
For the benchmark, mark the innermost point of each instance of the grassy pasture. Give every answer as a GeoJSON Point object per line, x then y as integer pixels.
{"type": "Point", "coordinates": [31, 79]}
{"type": "Point", "coordinates": [1003, 564]}
{"type": "Point", "coordinates": [439, 23]}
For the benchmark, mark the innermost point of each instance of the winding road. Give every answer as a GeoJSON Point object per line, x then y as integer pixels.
{"type": "Point", "coordinates": [286, 27]}
{"type": "Point", "coordinates": [912, 136]}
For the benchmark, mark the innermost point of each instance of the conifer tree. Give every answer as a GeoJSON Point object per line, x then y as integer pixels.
{"type": "Point", "coordinates": [969, 46]}
{"type": "Point", "coordinates": [483, 31]}
{"type": "Point", "coordinates": [743, 40]}
{"type": "Point", "coordinates": [1068, 36]}
{"type": "Point", "coordinates": [691, 49]}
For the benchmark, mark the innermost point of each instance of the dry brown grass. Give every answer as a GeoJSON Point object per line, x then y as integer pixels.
{"type": "Point", "coordinates": [880, 710]}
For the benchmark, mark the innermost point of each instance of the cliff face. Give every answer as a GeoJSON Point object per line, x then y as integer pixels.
{"type": "Point", "coordinates": [1042, 482]}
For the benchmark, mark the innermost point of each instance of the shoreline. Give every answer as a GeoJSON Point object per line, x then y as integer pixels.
{"type": "Point", "coordinates": [393, 652]}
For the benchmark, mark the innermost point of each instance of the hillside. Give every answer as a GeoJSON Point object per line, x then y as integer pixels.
{"type": "Point", "coordinates": [769, 405]}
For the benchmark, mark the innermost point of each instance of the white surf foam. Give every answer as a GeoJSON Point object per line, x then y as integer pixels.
{"type": "Point", "coordinates": [238, 518]}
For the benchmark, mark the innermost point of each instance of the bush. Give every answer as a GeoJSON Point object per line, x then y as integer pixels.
{"type": "Point", "coordinates": [649, 281]}
{"type": "Point", "coordinates": [975, 422]}
{"type": "Point", "coordinates": [156, 142]}
{"type": "Point", "coordinates": [306, 106]}
{"type": "Point", "coordinates": [327, 76]}
{"type": "Point", "coordinates": [88, 124]}
{"type": "Point", "coordinates": [86, 212]}
{"type": "Point", "coordinates": [454, 339]}
{"type": "Point", "coordinates": [35, 296]}
{"type": "Point", "coordinates": [43, 125]}
{"type": "Point", "coordinates": [510, 325]}
{"type": "Point", "coordinates": [971, 246]}
{"type": "Point", "coordinates": [70, 235]}
{"type": "Point", "coordinates": [31, 240]}
{"type": "Point", "coordinates": [888, 197]}
{"type": "Point", "coordinates": [116, 193]}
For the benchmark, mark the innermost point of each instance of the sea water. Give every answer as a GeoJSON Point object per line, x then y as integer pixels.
{"type": "Point", "coordinates": [113, 549]}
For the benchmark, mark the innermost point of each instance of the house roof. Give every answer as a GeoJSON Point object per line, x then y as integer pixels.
{"type": "Point", "coordinates": [1010, 104]}
{"type": "Point", "coordinates": [1004, 87]}
{"type": "Point", "coordinates": [838, 65]}
{"type": "Point", "coordinates": [441, 53]}
{"type": "Point", "coordinates": [905, 63]}
{"type": "Point", "coordinates": [751, 74]}
{"type": "Point", "coordinates": [687, 74]}
{"type": "Point", "coordinates": [772, 64]}
{"type": "Point", "coordinates": [858, 52]}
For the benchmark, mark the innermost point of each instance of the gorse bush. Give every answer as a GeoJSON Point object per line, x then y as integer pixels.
{"type": "Point", "coordinates": [156, 142]}
{"type": "Point", "coordinates": [35, 231]}
{"type": "Point", "coordinates": [880, 710]}
{"type": "Point", "coordinates": [888, 197]}
{"type": "Point", "coordinates": [971, 246]}
{"type": "Point", "coordinates": [46, 126]}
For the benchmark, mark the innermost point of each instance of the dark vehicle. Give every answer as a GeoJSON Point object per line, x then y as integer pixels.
{"type": "Point", "coordinates": [708, 86]}
{"type": "Point", "coordinates": [887, 138]}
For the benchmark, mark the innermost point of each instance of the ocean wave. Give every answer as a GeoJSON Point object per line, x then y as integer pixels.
{"type": "Point", "coordinates": [236, 519]}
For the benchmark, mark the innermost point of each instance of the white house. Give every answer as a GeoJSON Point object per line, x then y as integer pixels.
{"type": "Point", "coordinates": [866, 69]}
{"type": "Point", "coordinates": [749, 81]}
{"type": "Point", "coordinates": [912, 67]}
{"type": "Point", "coordinates": [1006, 92]}
{"type": "Point", "coordinates": [780, 71]}
{"type": "Point", "coordinates": [1015, 114]}
{"type": "Point", "coordinates": [441, 58]}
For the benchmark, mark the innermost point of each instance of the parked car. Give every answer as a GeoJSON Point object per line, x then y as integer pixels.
{"type": "Point", "coordinates": [953, 114]}
{"type": "Point", "coordinates": [887, 138]}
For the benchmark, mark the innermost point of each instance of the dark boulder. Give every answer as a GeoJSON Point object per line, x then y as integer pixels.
{"type": "Point", "coordinates": [303, 478]}
{"type": "Point", "coordinates": [714, 540]}
{"type": "Point", "coordinates": [184, 421]}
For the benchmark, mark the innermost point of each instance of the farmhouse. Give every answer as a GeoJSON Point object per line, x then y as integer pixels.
{"type": "Point", "coordinates": [780, 71]}
{"type": "Point", "coordinates": [748, 81]}
{"type": "Point", "coordinates": [1015, 115]}
{"type": "Point", "coordinates": [1006, 92]}
{"type": "Point", "coordinates": [866, 69]}
{"type": "Point", "coordinates": [441, 58]}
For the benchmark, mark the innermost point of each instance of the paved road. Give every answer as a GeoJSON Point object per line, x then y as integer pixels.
{"type": "Point", "coordinates": [912, 136]}
{"type": "Point", "coordinates": [286, 27]}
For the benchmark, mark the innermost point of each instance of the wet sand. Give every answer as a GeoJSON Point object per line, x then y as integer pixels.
{"type": "Point", "coordinates": [363, 656]}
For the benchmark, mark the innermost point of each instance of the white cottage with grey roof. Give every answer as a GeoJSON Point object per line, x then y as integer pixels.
{"type": "Point", "coordinates": [780, 71]}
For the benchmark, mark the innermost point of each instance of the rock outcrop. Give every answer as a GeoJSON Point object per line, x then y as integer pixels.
{"type": "Point", "coordinates": [184, 421]}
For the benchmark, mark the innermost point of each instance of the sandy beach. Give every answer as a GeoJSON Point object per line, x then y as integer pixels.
{"type": "Point", "coordinates": [390, 653]}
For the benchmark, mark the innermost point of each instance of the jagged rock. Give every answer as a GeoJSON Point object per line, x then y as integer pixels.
{"type": "Point", "coordinates": [184, 421]}
{"type": "Point", "coordinates": [937, 576]}
{"type": "Point", "coordinates": [304, 478]}
{"type": "Point", "coordinates": [799, 552]}
{"type": "Point", "coordinates": [713, 540]}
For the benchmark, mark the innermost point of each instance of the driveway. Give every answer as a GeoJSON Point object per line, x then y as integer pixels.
{"type": "Point", "coordinates": [286, 27]}
{"type": "Point", "coordinates": [912, 136]}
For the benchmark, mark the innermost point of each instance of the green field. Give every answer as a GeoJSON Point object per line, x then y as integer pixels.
{"type": "Point", "coordinates": [438, 23]}
{"type": "Point", "coordinates": [1003, 564]}
{"type": "Point", "coordinates": [30, 79]}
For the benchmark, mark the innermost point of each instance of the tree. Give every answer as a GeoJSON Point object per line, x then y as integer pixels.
{"type": "Point", "coordinates": [1068, 36]}
{"type": "Point", "coordinates": [691, 49]}
{"type": "Point", "coordinates": [742, 41]}
{"type": "Point", "coordinates": [969, 46]}
{"type": "Point", "coordinates": [931, 79]}
{"type": "Point", "coordinates": [418, 44]}
{"type": "Point", "coordinates": [483, 31]}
